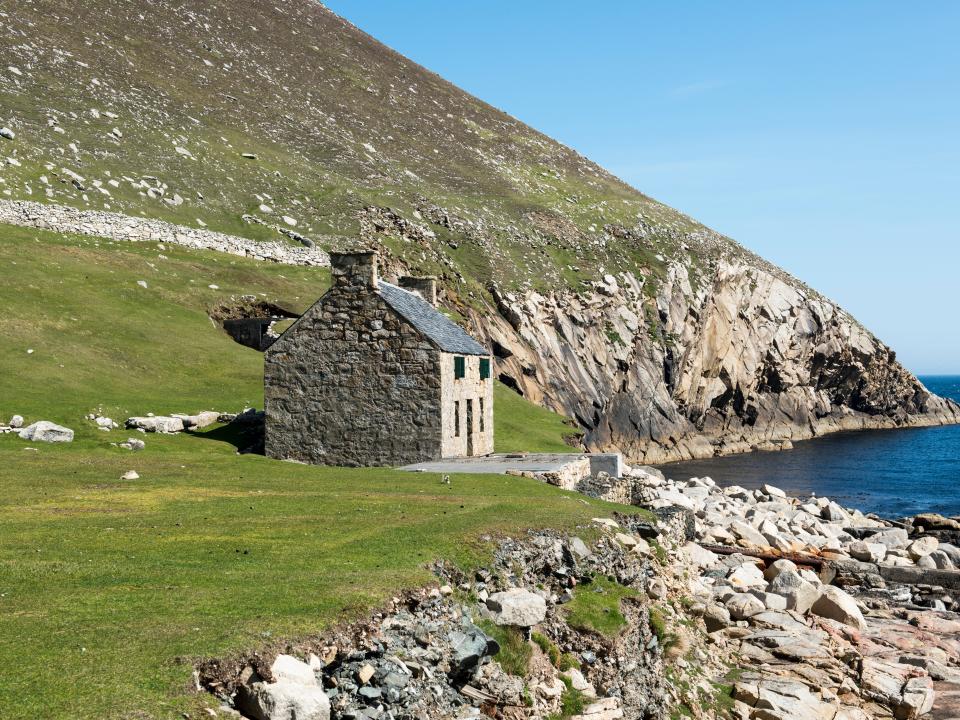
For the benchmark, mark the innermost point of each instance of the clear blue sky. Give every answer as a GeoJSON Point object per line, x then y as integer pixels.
{"type": "Point", "coordinates": [824, 136]}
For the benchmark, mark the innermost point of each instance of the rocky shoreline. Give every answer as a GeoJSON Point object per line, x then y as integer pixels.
{"type": "Point", "coordinates": [832, 614]}
{"type": "Point", "coordinates": [728, 603]}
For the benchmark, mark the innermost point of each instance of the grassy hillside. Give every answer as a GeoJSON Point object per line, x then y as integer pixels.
{"type": "Point", "coordinates": [164, 122]}
{"type": "Point", "coordinates": [105, 583]}
{"type": "Point", "coordinates": [82, 335]}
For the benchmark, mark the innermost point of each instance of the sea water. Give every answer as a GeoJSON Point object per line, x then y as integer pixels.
{"type": "Point", "coordinates": [894, 473]}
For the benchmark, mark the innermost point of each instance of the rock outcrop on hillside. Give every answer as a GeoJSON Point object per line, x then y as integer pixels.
{"type": "Point", "coordinates": [747, 361]}
{"type": "Point", "coordinates": [263, 120]}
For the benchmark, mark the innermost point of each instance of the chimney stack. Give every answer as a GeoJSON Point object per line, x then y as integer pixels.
{"type": "Point", "coordinates": [354, 269]}
{"type": "Point", "coordinates": [425, 287]}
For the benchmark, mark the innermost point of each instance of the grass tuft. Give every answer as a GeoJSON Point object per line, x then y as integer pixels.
{"type": "Point", "coordinates": [596, 606]}
{"type": "Point", "coordinates": [515, 650]}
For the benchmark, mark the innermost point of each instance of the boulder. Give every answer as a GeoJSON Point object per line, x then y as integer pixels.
{"type": "Point", "coordinates": [701, 557]}
{"type": "Point", "coordinates": [578, 682]}
{"type": "Point", "coordinates": [952, 551]}
{"type": "Point", "coordinates": [941, 560]}
{"type": "Point", "coordinates": [748, 534]}
{"type": "Point", "coordinates": [777, 567]}
{"type": "Point", "coordinates": [834, 513]}
{"type": "Point", "coordinates": [746, 576]}
{"type": "Point", "coordinates": [891, 537]}
{"type": "Point", "coordinates": [579, 548]}
{"type": "Point", "coordinates": [470, 645]}
{"type": "Point", "coordinates": [16, 421]}
{"type": "Point", "coordinates": [158, 424]}
{"type": "Point", "coordinates": [133, 444]}
{"type": "Point", "coordinates": [933, 521]}
{"type": "Point", "coordinates": [799, 594]}
{"type": "Point", "coordinates": [771, 601]}
{"type": "Point", "coordinates": [200, 420]}
{"type": "Point", "coordinates": [716, 617]}
{"type": "Point", "coordinates": [922, 546]}
{"type": "Point", "coordinates": [774, 491]}
{"type": "Point", "coordinates": [835, 604]}
{"type": "Point", "coordinates": [743, 606]}
{"type": "Point", "coordinates": [867, 552]}
{"type": "Point", "coordinates": [518, 607]}
{"type": "Point", "coordinates": [289, 668]}
{"type": "Point", "coordinates": [284, 700]}
{"type": "Point", "coordinates": [917, 700]}
{"type": "Point", "coordinates": [46, 431]}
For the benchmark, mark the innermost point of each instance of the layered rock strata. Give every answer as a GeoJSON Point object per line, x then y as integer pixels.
{"type": "Point", "coordinates": [749, 360]}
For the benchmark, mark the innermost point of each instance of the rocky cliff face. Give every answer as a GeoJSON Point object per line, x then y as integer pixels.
{"type": "Point", "coordinates": [745, 360]}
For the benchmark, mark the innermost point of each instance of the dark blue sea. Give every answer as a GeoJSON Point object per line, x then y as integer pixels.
{"type": "Point", "coordinates": [894, 473]}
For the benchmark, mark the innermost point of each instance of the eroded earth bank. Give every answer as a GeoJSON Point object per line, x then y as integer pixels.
{"type": "Point", "coordinates": [719, 603]}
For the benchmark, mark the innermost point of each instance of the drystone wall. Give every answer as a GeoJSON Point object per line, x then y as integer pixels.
{"type": "Point", "coordinates": [114, 226]}
{"type": "Point", "coordinates": [351, 383]}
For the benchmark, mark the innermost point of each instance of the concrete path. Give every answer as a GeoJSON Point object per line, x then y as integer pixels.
{"type": "Point", "coordinates": [499, 464]}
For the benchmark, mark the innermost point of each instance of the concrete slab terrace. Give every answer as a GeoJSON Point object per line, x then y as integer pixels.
{"type": "Point", "coordinates": [500, 464]}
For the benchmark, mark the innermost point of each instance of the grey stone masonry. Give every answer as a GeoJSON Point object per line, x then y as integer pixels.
{"type": "Point", "coordinates": [353, 382]}
{"type": "Point", "coordinates": [114, 226]}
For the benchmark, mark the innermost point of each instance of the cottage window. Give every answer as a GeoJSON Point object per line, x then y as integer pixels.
{"type": "Point", "coordinates": [459, 368]}
{"type": "Point", "coordinates": [456, 418]}
{"type": "Point", "coordinates": [481, 401]}
{"type": "Point", "coordinates": [484, 368]}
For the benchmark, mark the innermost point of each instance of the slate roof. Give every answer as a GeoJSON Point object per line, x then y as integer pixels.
{"type": "Point", "coordinates": [440, 329]}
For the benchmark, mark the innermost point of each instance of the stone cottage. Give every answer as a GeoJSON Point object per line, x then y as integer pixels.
{"type": "Point", "coordinates": [375, 374]}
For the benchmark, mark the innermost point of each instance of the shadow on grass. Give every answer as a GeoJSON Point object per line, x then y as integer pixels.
{"type": "Point", "coordinates": [247, 439]}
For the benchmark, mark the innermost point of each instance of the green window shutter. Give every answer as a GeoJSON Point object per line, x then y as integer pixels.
{"type": "Point", "coordinates": [484, 368]}
{"type": "Point", "coordinates": [459, 367]}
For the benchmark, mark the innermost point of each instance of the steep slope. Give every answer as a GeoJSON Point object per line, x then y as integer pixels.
{"type": "Point", "coordinates": [661, 337]}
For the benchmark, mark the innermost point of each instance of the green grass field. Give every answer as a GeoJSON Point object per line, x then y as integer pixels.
{"type": "Point", "coordinates": [105, 584]}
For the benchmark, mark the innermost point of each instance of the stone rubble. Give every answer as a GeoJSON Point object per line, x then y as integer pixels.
{"type": "Point", "coordinates": [178, 422]}
{"type": "Point", "coordinates": [432, 654]}
{"type": "Point", "coordinates": [114, 226]}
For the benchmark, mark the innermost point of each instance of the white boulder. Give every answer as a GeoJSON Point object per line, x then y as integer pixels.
{"type": "Point", "coordinates": [923, 546]}
{"type": "Point", "coordinates": [46, 431]}
{"type": "Point", "coordinates": [286, 700]}
{"type": "Point", "coordinates": [743, 606]}
{"type": "Point", "coordinates": [287, 667]}
{"type": "Point", "coordinates": [158, 424]}
{"type": "Point", "coordinates": [517, 607]}
{"type": "Point", "coordinates": [835, 604]}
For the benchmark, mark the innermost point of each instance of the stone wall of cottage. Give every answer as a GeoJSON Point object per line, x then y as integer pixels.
{"type": "Point", "coordinates": [455, 394]}
{"type": "Point", "coordinates": [351, 383]}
